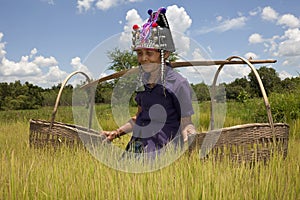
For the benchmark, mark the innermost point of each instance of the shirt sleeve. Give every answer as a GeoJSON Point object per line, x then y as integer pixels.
{"type": "Point", "coordinates": [184, 96]}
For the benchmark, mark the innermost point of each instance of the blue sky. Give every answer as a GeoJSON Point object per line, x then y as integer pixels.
{"type": "Point", "coordinates": [42, 41]}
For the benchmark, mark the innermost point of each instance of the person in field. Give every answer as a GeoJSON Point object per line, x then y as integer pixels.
{"type": "Point", "coordinates": [164, 103]}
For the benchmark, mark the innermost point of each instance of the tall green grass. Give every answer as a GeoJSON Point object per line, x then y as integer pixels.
{"type": "Point", "coordinates": [28, 173]}
{"type": "Point", "coordinates": [73, 173]}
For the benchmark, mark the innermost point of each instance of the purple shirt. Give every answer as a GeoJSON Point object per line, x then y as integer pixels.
{"type": "Point", "coordinates": [162, 108]}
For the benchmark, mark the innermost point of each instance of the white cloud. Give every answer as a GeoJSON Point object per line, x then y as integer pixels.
{"type": "Point", "coordinates": [292, 34]}
{"type": "Point", "coordinates": [232, 72]}
{"type": "Point", "coordinates": [273, 44]}
{"type": "Point", "coordinates": [270, 44]}
{"type": "Point", "coordinates": [84, 5]}
{"type": "Point", "coordinates": [286, 47]}
{"type": "Point", "coordinates": [290, 46]}
{"type": "Point", "coordinates": [219, 18]}
{"type": "Point", "coordinates": [78, 66]}
{"type": "Point", "coordinates": [45, 62]}
{"type": "Point", "coordinates": [255, 38]}
{"type": "Point", "coordinates": [198, 74]}
{"type": "Point", "coordinates": [21, 68]}
{"type": "Point", "coordinates": [2, 46]}
{"type": "Point", "coordinates": [206, 73]}
{"type": "Point", "coordinates": [251, 55]}
{"type": "Point", "coordinates": [179, 22]}
{"type": "Point", "coordinates": [33, 52]}
{"type": "Point", "coordinates": [283, 46]}
{"type": "Point", "coordinates": [226, 25]}
{"type": "Point", "coordinates": [182, 43]}
{"type": "Point", "coordinates": [291, 62]}
{"type": "Point", "coordinates": [255, 11]}
{"type": "Point", "coordinates": [106, 4]}
{"type": "Point", "coordinates": [283, 75]}
{"type": "Point", "coordinates": [289, 20]}
{"type": "Point", "coordinates": [38, 70]}
{"type": "Point", "coordinates": [53, 76]}
{"type": "Point", "coordinates": [234, 23]}
{"type": "Point", "coordinates": [197, 54]}
{"type": "Point", "coordinates": [178, 19]}
{"type": "Point", "coordinates": [50, 2]}
{"type": "Point", "coordinates": [269, 14]}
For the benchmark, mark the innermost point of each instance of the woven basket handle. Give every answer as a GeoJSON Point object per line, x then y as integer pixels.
{"type": "Point", "coordinates": [60, 93]}
{"type": "Point", "coordinates": [268, 108]}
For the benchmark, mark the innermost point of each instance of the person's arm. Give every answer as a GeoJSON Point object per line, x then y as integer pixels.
{"type": "Point", "coordinates": [126, 128]}
{"type": "Point", "coordinates": [187, 127]}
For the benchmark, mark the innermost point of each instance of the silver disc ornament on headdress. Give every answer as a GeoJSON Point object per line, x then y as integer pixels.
{"type": "Point", "coordinates": [154, 34]}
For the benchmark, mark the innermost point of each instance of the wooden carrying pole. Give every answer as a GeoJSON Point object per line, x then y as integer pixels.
{"type": "Point", "coordinates": [176, 65]}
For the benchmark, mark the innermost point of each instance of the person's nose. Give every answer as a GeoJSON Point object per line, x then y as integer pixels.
{"type": "Point", "coordinates": [144, 58]}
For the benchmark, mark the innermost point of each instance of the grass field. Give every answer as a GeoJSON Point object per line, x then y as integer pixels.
{"type": "Point", "coordinates": [73, 173]}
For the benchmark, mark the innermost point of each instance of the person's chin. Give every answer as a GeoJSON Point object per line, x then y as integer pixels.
{"type": "Point", "coordinates": [149, 67]}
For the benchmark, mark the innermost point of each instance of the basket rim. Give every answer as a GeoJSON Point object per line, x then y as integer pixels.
{"type": "Point", "coordinates": [69, 126]}
{"type": "Point", "coordinates": [248, 125]}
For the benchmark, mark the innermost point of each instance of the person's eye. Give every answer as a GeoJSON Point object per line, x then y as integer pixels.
{"type": "Point", "coordinates": [149, 53]}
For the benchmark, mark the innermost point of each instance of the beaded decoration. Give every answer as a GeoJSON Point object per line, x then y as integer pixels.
{"type": "Point", "coordinates": [154, 34]}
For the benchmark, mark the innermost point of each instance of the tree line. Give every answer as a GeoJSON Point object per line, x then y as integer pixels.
{"type": "Point", "coordinates": [16, 96]}
{"type": "Point", "coordinates": [245, 88]}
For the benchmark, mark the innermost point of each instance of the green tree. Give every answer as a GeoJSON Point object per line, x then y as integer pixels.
{"type": "Point", "coordinates": [121, 60]}
{"type": "Point", "coordinates": [290, 84]}
{"type": "Point", "coordinates": [50, 95]}
{"type": "Point", "coordinates": [15, 96]}
{"type": "Point", "coordinates": [269, 78]}
{"type": "Point", "coordinates": [202, 91]}
{"type": "Point", "coordinates": [104, 92]}
{"type": "Point", "coordinates": [239, 88]}
{"type": "Point", "coordinates": [4, 92]}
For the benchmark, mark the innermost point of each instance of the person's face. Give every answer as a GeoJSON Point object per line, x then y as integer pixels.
{"type": "Point", "coordinates": [149, 59]}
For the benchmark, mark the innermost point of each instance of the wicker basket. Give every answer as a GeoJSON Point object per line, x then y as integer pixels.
{"type": "Point", "coordinates": [247, 142]}
{"type": "Point", "coordinates": [50, 133]}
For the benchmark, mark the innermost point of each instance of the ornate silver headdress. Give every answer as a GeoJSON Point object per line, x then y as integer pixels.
{"type": "Point", "coordinates": [154, 34]}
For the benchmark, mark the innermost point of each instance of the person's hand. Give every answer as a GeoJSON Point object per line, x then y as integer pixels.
{"type": "Point", "coordinates": [110, 135]}
{"type": "Point", "coordinates": [188, 130]}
